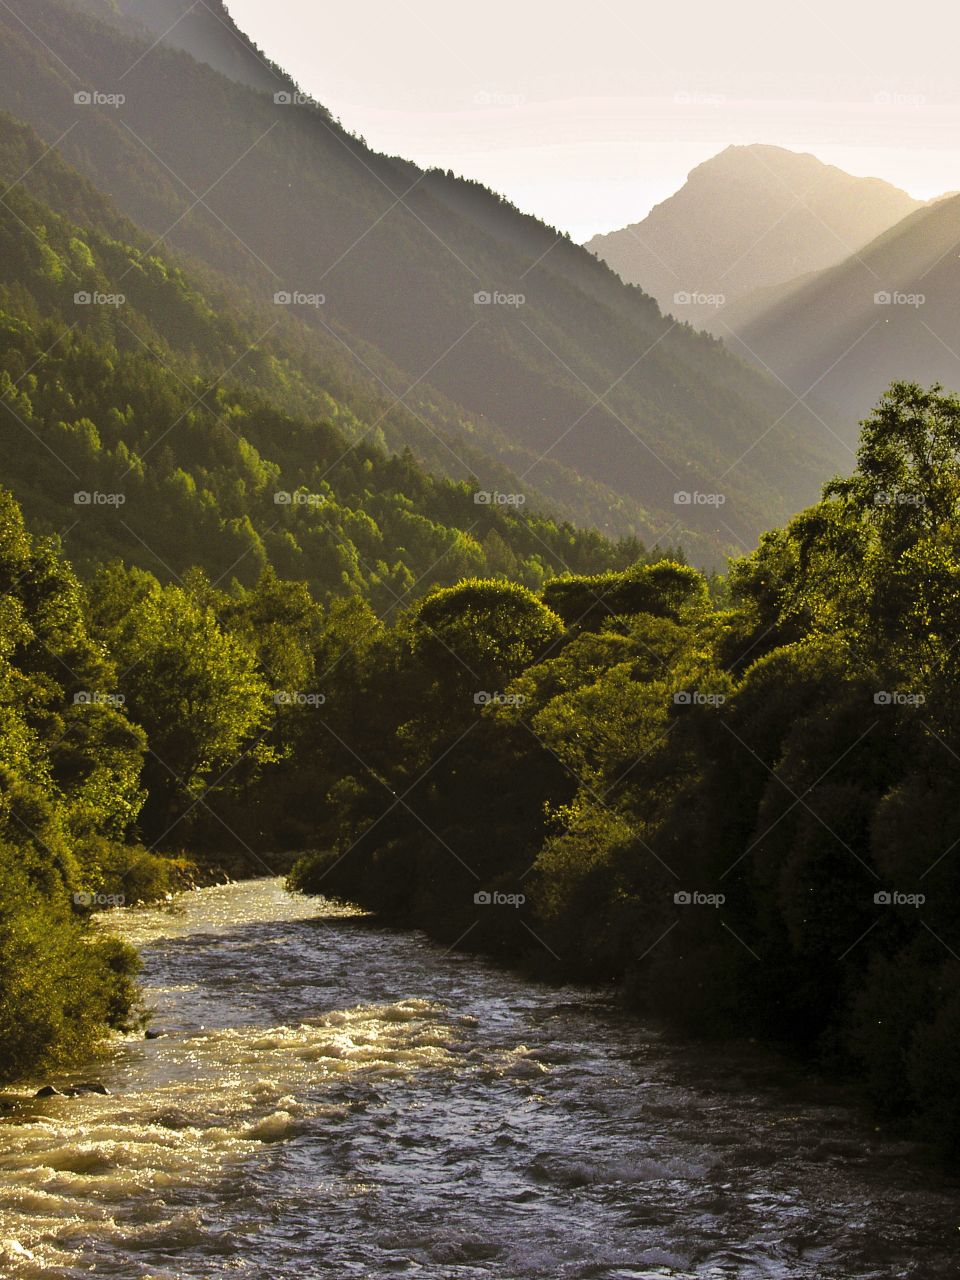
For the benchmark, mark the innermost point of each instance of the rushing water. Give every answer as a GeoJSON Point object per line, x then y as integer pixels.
{"type": "Point", "coordinates": [335, 1099]}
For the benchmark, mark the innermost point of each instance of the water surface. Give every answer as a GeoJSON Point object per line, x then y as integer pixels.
{"type": "Point", "coordinates": [336, 1099]}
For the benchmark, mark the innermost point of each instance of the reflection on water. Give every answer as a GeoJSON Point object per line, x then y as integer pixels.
{"type": "Point", "coordinates": [334, 1099]}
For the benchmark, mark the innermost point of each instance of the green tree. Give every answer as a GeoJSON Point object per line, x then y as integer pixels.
{"type": "Point", "coordinates": [195, 688]}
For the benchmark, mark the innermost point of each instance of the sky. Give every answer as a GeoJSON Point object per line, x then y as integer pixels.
{"type": "Point", "coordinates": [588, 114]}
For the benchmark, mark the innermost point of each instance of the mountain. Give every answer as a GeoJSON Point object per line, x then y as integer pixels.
{"type": "Point", "coordinates": [155, 424]}
{"type": "Point", "coordinates": [198, 28]}
{"type": "Point", "coordinates": [890, 308]}
{"type": "Point", "coordinates": [747, 219]}
{"type": "Point", "coordinates": [573, 381]}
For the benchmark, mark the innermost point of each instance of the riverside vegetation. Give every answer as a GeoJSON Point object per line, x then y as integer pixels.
{"type": "Point", "coordinates": [131, 701]}
{"type": "Point", "coordinates": [252, 599]}
{"type": "Point", "coordinates": [733, 797]}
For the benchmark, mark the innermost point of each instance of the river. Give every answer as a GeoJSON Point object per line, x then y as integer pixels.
{"type": "Point", "coordinates": [338, 1099]}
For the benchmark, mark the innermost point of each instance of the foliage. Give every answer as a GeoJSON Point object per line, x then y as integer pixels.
{"type": "Point", "coordinates": [741, 810]}
{"type": "Point", "coordinates": [164, 431]}
{"type": "Point", "coordinates": [734, 799]}
{"type": "Point", "coordinates": [69, 778]}
{"type": "Point", "coordinates": [59, 990]}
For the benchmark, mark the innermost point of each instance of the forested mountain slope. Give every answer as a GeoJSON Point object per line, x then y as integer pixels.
{"type": "Point", "coordinates": [142, 417]}
{"type": "Point", "coordinates": [277, 197]}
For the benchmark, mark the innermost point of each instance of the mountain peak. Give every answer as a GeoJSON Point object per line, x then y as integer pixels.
{"type": "Point", "coordinates": [752, 216]}
{"type": "Point", "coordinates": [383, 278]}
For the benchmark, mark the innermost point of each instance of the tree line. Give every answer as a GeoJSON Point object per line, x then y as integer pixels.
{"type": "Point", "coordinates": [732, 797]}
{"type": "Point", "coordinates": [737, 802]}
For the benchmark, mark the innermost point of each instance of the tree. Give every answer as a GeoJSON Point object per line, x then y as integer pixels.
{"type": "Point", "coordinates": [482, 633]}
{"type": "Point", "coordinates": [196, 690]}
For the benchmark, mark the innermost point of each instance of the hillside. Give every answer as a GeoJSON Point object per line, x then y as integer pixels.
{"type": "Point", "coordinates": [197, 29]}
{"type": "Point", "coordinates": [890, 306]}
{"type": "Point", "coordinates": [584, 390]}
{"type": "Point", "coordinates": [749, 218]}
{"type": "Point", "coordinates": [144, 423]}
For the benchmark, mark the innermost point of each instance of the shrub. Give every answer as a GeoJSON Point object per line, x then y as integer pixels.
{"type": "Point", "coordinates": [61, 988]}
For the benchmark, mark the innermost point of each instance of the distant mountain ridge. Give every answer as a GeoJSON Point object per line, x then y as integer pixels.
{"type": "Point", "coordinates": [890, 309]}
{"type": "Point", "coordinates": [583, 390]}
{"type": "Point", "coordinates": [750, 217]}
{"type": "Point", "coordinates": [197, 27]}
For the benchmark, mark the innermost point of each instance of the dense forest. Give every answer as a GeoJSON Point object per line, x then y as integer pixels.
{"type": "Point", "coordinates": [736, 804]}
{"type": "Point", "coordinates": [142, 416]}
{"type": "Point", "coordinates": [732, 798]}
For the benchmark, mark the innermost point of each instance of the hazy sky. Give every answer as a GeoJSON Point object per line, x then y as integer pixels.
{"type": "Point", "coordinates": [588, 114]}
